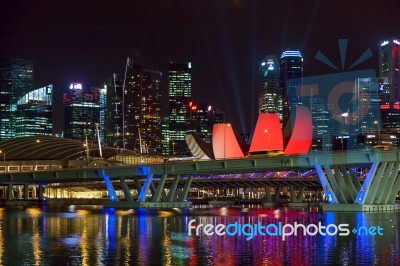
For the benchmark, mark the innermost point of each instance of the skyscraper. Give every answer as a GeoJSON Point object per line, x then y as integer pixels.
{"type": "Point", "coordinates": [269, 90]}
{"type": "Point", "coordinates": [16, 79]}
{"type": "Point", "coordinates": [203, 117]}
{"type": "Point", "coordinates": [133, 118]}
{"type": "Point", "coordinates": [389, 66]}
{"type": "Point", "coordinates": [291, 70]}
{"type": "Point", "coordinates": [366, 106]}
{"type": "Point", "coordinates": [179, 96]}
{"type": "Point", "coordinates": [34, 113]}
{"type": "Point", "coordinates": [143, 110]}
{"type": "Point", "coordinates": [322, 124]}
{"type": "Point", "coordinates": [81, 112]}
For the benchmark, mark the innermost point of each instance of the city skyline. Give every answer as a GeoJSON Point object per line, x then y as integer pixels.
{"type": "Point", "coordinates": [224, 40]}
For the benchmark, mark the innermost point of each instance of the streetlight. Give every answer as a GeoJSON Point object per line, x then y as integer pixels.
{"type": "Point", "coordinates": [379, 131]}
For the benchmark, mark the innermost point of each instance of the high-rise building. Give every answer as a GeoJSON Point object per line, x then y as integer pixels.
{"type": "Point", "coordinates": [391, 117]}
{"type": "Point", "coordinates": [143, 110]}
{"type": "Point", "coordinates": [81, 112]}
{"type": "Point", "coordinates": [366, 106]}
{"type": "Point", "coordinates": [291, 73]}
{"type": "Point", "coordinates": [133, 118]}
{"type": "Point", "coordinates": [179, 96]}
{"type": "Point", "coordinates": [16, 80]}
{"type": "Point", "coordinates": [322, 124]}
{"type": "Point", "coordinates": [269, 90]}
{"type": "Point", "coordinates": [34, 113]}
{"type": "Point", "coordinates": [203, 117]}
{"type": "Point", "coordinates": [389, 66]}
{"type": "Point", "coordinates": [113, 114]}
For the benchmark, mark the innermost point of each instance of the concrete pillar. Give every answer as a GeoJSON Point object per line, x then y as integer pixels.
{"type": "Point", "coordinates": [391, 197]}
{"type": "Point", "coordinates": [351, 183]}
{"type": "Point", "coordinates": [172, 191]}
{"type": "Point", "coordinates": [125, 189]}
{"type": "Point", "coordinates": [34, 192]}
{"type": "Point", "coordinates": [328, 190]}
{"type": "Point", "coordinates": [340, 196]}
{"type": "Point", "coordinates": [26, 191]}
{"type": "Point", "coordinates": [160, 188]}
{"type": "Point", "coordinates": [296, 197]}
{"type": "Point", "coordinates": [145, 188]}
{"type": "Point", "coordinates": [138, 186]}
{"type": "Point", "coordinates": [10, 192]}
{"type": "Point", "coordinates": [388, 184]}
{"type": "Point", "coordinates": [186, 188]}
{"type": "Point", "coordinates": [277, 194]}
{"type": "Point", "coordinates": [373, 186]}
{"type": "Point", "coordinates": [109, 185]}
{"type": "Point", "coordinates": [41, 191]}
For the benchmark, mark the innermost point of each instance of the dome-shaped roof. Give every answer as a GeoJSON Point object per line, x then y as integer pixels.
{"type": "Point", "coordinates": [50, 148]}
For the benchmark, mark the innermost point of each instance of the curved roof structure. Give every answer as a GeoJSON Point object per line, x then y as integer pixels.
{"type": "Point", "coordinates": [198, 147]}
{"type": "Point", "coordinates": [50, 148]}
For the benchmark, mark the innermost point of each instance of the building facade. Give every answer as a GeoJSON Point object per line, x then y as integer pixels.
{"type": "Point", "coordinates": [269, 90]}
{"type": "Point", "coordinates": [291, 73]}
{"type": "Point", "coordinates": [34, 113]}
{"type": "Point", "coordinates": [16, 80]}
{"type": "Point", "coordinates": [81, 112]}
{"type": "Point", "coordinates": [133, 116]}
{"type": "Point", "coordinates": [389, 66]}
{"type": "Point", "coordinates": [179, 97]}
{"type": "Point", "coordinates": [203, 117]}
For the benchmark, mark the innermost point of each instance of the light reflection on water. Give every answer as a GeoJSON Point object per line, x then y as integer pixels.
{"type": "Point", "coordinates": [147, 237]}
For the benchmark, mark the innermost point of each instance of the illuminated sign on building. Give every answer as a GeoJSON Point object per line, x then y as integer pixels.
{"type": "Point", "coordinates": [75, 86]}
{"type": "Point", "coordinates": [384, 43]}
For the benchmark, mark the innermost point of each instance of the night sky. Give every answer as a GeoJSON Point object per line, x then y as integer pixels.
{"type": "Point", "coordinates": [87, 41]}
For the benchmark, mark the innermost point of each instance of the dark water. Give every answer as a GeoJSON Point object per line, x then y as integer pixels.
{"type": "Point", "coordinates": [83, 236]}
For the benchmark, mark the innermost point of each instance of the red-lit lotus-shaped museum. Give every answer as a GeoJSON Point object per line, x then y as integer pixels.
{"type": "Point", "coordinates": [268, 137]}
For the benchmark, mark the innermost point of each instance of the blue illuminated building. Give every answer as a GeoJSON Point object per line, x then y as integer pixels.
{"type": "Point", "coordinates": [291, 68]}
{"type": "Point", "coordinates": [34, 113]}
{"type": "Point", "coordinates": [16, 80]}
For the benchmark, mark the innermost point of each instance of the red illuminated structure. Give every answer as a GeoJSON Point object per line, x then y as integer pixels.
{"type": "Point", "coordinates": [267, 134]}
{"type": "Point", "coordinates": [225, 142]}
{"type": "Point", "coordinates": [301, 137]}
{"type": "Point", "coordinates": [267, 137]}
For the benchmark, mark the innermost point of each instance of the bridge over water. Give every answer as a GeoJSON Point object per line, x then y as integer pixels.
{"type": "Point", "coordinates": [335, 171]}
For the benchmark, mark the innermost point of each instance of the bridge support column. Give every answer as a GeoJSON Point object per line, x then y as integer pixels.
{"type": "Point", "coordinates": [345, 193]}
{"type": "Point", "coordinates": [294, 197]}
{"type": "Point", "coordinates": [146, 186]}
{"type": "Point", "coordinates": [109, 186]}
{"type": "Point", "coordinates": [41, 192]}
{"type": "Point", "coordinates": [172, 190]}
{"type": "Point", "coordinates": [125, 189]}
{"type": "Point", "coordinates": [186, 188]}
{"type": "Point", "coordinates": [10, 192]}
{"type": "Point", "coordinates": [271, 199]}
{"type": "Point", "coordinates": [160, 189]}
{"type": "Point", "coordinates": [26, 191]}
{"type": "Point", "coordinates": [159, 199]}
